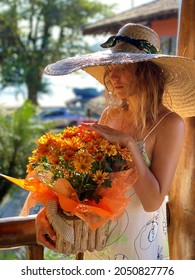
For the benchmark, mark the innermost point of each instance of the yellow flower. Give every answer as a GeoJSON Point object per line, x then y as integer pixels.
{"type": "Point", "coordinates": [100, 177]}
{"type": "Point", "coordinates": [80, 156]}
{"type": "Point", "coordinates": [126, 154]}
{"type": "Point", "coordinates": [107, 148]}
{"type": "Point", "coordinates": [54, 159]}
{"type": "Point", "coordinates": [82, 162]}
{"type": "Point", "coordinates": [68, 155]}
{"type": "Point", "coordinates": [73, 143]}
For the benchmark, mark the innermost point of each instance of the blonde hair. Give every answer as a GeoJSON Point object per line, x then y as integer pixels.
{"type": "Point", "coordinates": [152, 85]}
{"type": "Point", "coordinates": [150, 88]}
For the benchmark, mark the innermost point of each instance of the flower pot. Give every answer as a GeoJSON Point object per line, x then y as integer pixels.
{"type": "Point", "coordinates": [73, 234]}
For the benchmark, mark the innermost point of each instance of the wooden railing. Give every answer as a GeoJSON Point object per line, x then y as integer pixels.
{"type": "Point", "coordinates": [20, 232]}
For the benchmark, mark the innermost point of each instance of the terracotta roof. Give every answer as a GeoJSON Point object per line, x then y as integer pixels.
{"type": "Point", "coordinates": [158, 9]}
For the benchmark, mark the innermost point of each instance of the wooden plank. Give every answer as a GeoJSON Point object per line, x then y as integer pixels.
{"type": "Point", "coordinates": [17, 231]}
{"type": "Point", "coordinates": [181, 230]}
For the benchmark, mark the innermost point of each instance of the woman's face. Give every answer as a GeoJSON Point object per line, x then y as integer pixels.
{"type": "Point", "coordinates": [123, 80]}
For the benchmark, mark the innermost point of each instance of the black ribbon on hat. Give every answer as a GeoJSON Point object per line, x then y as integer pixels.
{"type": "Point", "coordinates": [141, 44]}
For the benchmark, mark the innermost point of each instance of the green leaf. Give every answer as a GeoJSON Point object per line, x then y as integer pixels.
{"type": "Point", "coordinates": [107, 183]}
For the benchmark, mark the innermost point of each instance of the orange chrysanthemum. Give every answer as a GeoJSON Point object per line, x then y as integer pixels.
{"type": "Point", "coordinates": [100, 177]}
{"type": "Point", "coordinates": [81, 157]}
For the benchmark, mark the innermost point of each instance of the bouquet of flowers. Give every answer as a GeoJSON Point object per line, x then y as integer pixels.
{"type": "Point", "coordinates": [80, 177]}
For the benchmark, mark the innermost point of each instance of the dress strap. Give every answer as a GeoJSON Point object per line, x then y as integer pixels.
{"type": "Point", "coordinates": [155, 126]}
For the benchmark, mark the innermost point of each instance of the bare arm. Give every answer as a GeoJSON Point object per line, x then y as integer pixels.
{"type": "Point", "coordinates": [153, 183]}
{"type": "Point", "coordinates": [45, 234]}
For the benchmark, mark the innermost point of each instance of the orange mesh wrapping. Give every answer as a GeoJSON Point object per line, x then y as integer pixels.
{"type": "Point", "coordinates": [110, 207]}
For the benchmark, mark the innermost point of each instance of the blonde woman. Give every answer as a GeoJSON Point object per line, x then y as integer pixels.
{"type": "Point", "coordinates": [149, 93]}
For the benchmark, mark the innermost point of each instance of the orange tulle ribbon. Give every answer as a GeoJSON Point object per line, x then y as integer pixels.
{"type": "Point", "coordinates": [110, 207]}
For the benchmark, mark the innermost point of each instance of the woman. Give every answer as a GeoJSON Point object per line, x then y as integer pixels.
{"type": "Point", "coordinates": [144, 88]}
{"type": "Point", "coordinates": [151, 132]}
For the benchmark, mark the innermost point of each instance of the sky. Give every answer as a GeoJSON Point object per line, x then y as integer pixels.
{"type": "Point", "coordinates": [61, 87]}
{"type": "Point", "coordinates": [123, 5]}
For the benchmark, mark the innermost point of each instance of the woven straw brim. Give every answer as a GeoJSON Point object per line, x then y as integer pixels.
{"type": "Point", "coordinates": [179, 72]}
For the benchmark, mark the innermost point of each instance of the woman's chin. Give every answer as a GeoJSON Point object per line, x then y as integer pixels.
{"type": "Point", "coordinates": [121, 95]}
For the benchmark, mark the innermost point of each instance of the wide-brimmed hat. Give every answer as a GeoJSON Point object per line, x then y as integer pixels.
{"type": "Point", "coordinates": [137, 43]}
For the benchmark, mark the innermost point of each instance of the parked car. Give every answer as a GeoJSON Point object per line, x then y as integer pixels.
{"type": "Point", "coordinates": [67, 116]}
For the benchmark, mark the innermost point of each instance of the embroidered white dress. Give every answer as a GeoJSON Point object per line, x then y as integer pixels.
{"type": "Point", "coordinates": [137, 235]}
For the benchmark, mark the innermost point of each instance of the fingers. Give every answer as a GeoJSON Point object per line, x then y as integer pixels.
{"type": "Point", "coordinates": [112, 135]}
{"type": "Point", "coordinates": [104, 130]}
{"type": "Point", "coordinates": [46, 241]}
{"type": "Point", "coordinates": [102, 127]}
{"type": "Point", "coordinates": [45, 234]}
{"type": "Point", "coordinates": [87, 126]}
{"type": "Point", "coordinates": [48, 232]}
{"type": "Point", "coordinates": [109, 133]}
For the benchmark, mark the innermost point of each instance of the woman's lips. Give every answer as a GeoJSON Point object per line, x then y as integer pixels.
{"type": "Point", "coordinates": [118, 86]}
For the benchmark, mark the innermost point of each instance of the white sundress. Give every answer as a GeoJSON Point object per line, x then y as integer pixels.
{"type": "Point", "coordinates": [137, 235]}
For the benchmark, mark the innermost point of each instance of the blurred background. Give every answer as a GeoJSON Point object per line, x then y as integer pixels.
{"type": "Point", "coordinates": [34, 34]}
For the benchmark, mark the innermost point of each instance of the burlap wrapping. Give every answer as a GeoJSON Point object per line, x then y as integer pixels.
{"type": "Point", "coordinates": [73, 234]}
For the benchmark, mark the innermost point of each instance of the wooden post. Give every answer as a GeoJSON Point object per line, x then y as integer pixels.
{"type": "Point", "coordinates": [181, 230]}
{"type": "Point", "coordinates": [35, 252]}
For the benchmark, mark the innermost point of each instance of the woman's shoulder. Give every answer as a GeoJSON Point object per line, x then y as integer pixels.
{"type": "Point", "coordinates": [168, 121]}
{"type": "Point", "coordinates": [172, 119]}
{"type": "Point", "coordinates": [171, 125]}
{"type": "Point", "coordinates": [168, 139]}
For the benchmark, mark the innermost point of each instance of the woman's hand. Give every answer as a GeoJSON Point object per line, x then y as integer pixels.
{"type": "Point", "coordinates": [45, 234]}
{"type": "Point", "coordinates": [112, 135]}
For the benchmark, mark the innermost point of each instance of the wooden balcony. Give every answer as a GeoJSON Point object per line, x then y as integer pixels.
{"type": "Point", "coordinates": [20, 232]}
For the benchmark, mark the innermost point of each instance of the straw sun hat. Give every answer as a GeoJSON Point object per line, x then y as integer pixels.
{"type": "Point", "coordinates": [138, 43]}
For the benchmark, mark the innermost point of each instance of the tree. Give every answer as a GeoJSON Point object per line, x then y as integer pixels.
{"type": "Point", "coordinates": [34, 33]}
{"type": "Point", "coordinates": [19, 132]}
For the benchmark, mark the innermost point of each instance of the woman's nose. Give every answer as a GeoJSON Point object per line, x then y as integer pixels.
{"type": "Point", "coordinates": [114, 74]}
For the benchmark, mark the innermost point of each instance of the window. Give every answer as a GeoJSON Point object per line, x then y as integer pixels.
{"type": "Point", "coordinates": [168, 45]}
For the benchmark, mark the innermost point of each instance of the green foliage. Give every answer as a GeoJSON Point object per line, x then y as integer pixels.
{"type": "Point", "coordinates": [19, 132]}
{"type": "Point", "coordinates": [40, 32]}
{"type": "Point", "coordinates": [15, 254]}
{"type": "Point", "coordinates": [52, 255]}
{"type": "Point", "coordinates": [20, 254]}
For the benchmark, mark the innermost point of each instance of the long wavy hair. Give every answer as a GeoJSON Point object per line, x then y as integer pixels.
{"type": "Point", "coordinates": [150, 89]}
